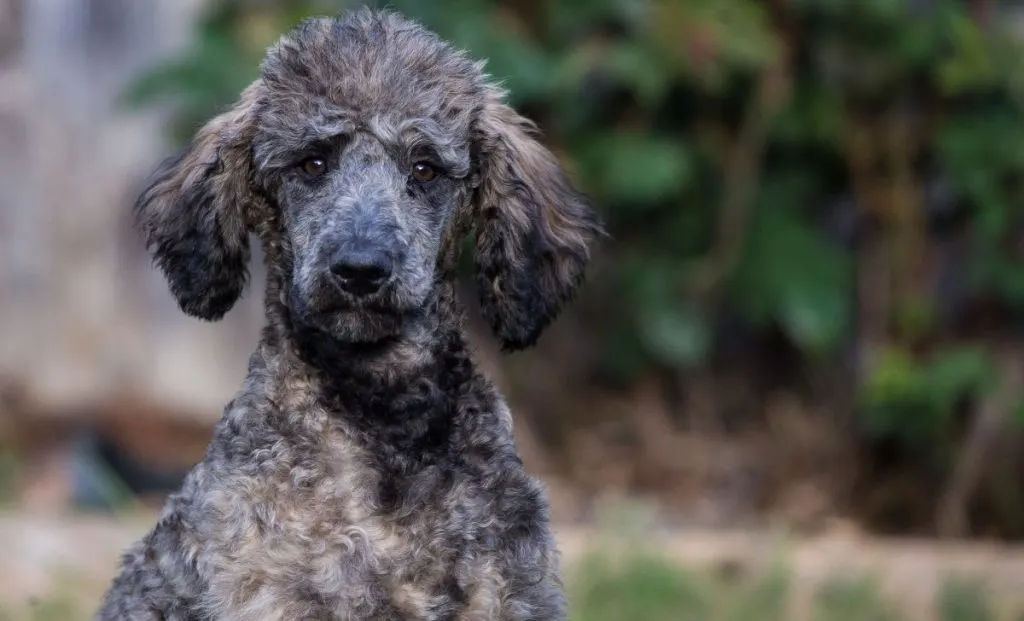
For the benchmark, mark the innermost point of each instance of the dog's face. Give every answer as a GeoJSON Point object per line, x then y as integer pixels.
{"type": "Point", "coordinates": [365, 218]}
{"type": "Point", "coordinates": [363, 153]}
{"type": "Point", "coordinates": [364, 145]}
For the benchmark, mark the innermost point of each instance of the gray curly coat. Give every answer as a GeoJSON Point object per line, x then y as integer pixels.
{"type": "Point", "coordinates": [366, 469]}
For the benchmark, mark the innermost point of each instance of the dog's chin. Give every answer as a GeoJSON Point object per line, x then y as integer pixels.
{"type": "Point", "coordinates": [358, 326]}
{"type": "Point", "coordinates": [354, 321]}
{"type": "Point", "coordinates": [346, 322]}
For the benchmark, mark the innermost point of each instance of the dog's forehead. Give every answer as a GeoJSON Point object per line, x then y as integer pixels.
{"type": "Point", "coordinates": [371, 65]}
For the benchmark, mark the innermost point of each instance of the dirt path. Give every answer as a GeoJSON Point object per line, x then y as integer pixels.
{"type": "Point", "coordinates": [44, 556]}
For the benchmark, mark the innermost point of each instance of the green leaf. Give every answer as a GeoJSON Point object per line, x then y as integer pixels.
{"type": "Point", "coordinates": [793, 276]}
{"type": "Point", "coordinates": [914, 401]}
{"type": "Point", "coordinates": [678, 336]}
{"type": "Point", "coordinates": [956, 373]}
{"type": "Point", "coordinates": [567, 20]}
{"type": "Point", "coordinates": [628, 64]}
{"type": "Point", "coordinates": [894, 379]}
{"type": "Point", "coordinates": [513, 59]}
{"type": "Point", "coordinates": [635, 169]}
{"type": "Point", "coordinates": [970, 65]}
{"type": "Point", "coordinates": [1011, 282]}
{"type": "Point", "coordinates": [815, 317]}
{"type": "Point", "coordinates": [642, 70]}
{"type": "Point", "coordinates": [815, 115]}
{"type": "Point", "coordinates": [1017, 416]}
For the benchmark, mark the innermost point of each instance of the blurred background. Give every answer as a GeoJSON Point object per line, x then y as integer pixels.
{"type": "Point", "coordinates": [809, 319]}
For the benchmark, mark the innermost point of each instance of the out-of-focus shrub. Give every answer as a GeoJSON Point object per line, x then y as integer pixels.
{"type": "Point", "coordinates": [845, 174]}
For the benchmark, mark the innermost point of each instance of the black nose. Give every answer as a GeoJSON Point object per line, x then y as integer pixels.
{"type": "Point", "coordinates": [361, 271]}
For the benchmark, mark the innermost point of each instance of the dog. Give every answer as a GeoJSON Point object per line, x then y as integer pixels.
{"type": "Point", "coordinates": [366, 469]}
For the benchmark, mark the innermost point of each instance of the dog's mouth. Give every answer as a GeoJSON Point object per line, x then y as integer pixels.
{"type": "Point", "coordinates": [350, 318]}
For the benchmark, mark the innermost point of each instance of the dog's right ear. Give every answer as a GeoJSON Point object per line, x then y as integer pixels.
{"type": "Point", "coordinates": [192, 214]}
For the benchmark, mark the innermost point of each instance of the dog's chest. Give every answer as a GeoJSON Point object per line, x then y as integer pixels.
{"type": "Point", "coordinates": [346, 540]}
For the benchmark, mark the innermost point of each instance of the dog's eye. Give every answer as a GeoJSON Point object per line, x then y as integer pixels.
{"type": "Point", "coordinates": [314, 166]}
{"type": "Point", "coordinates": [423, 172]}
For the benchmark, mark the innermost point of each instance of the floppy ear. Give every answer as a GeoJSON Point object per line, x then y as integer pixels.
{"type": "Point", "coordinates": [533, 228]}
{"type": "Point", "coordinates": [192, 214]}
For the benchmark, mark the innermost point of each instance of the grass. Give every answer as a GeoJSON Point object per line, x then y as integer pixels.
{"type": "Point", "coordinates": [645, 588]}
{"type": "Point", "coordinates": [74, 598]}
{"type": "Point", "coordinates": [51, 609]}
{"type": "Point", "coordinates": [621, 580]}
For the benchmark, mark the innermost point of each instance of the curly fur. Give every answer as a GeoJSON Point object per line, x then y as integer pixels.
{"type": "Point", "coordinates": [366, 469]}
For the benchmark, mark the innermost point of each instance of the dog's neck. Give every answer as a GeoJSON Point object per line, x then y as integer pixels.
{"type": "Point", "coordinates": [381, 385]}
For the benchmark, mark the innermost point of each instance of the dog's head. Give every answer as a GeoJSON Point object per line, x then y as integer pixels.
{"type": "Point", "coordinates": [362, 155]}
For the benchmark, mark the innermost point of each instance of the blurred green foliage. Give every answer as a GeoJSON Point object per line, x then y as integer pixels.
{"type": "Point", "coordinates": [766, 167]}
{"type": "Point", "coordinates": [913, 401]}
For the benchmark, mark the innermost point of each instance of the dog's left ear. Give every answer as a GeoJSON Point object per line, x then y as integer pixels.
{"type": "Point", "coordinates": [533, 228]}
